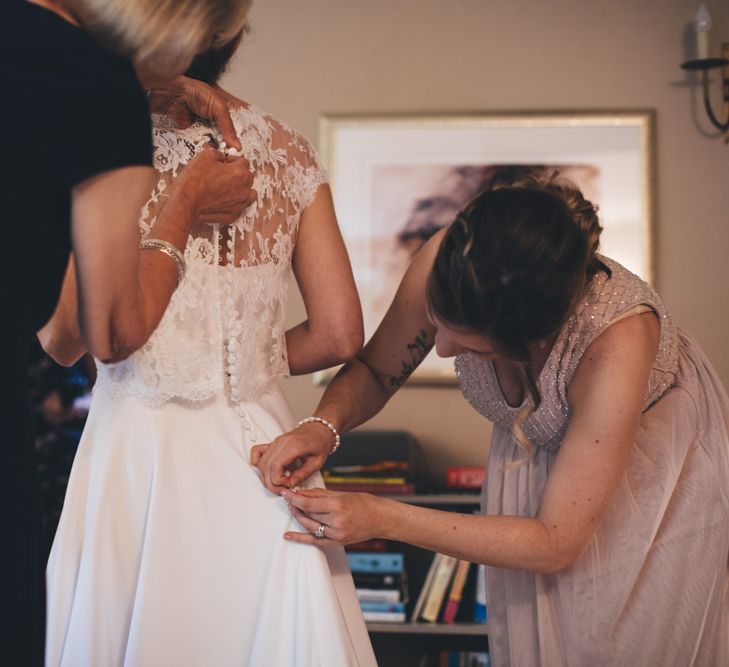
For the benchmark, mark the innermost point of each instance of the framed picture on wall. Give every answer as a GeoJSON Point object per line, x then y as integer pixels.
{"type": "Point", "coordinates": [398, 179]}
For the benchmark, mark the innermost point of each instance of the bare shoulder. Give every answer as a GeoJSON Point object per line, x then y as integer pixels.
{"type": "Point", "coordinates": [622, 355]}
{"type": "Point", "coordinates": [635, 333]}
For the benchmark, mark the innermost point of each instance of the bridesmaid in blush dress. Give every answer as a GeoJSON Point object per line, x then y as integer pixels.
{"type": "Point", "coordinates": [605, 527]}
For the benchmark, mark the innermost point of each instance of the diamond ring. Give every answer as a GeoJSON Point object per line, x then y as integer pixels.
{"type": "Point", "coordinates": [319, 532]}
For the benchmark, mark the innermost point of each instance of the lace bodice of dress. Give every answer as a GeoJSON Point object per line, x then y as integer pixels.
{"type": "Point", "coordinates": [224, 326]}
{"type": "Point", "coordinates": [609, 297]}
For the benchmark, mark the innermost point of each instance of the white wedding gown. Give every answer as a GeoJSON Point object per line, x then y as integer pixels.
{"type": "Point", "coordinates": [170, 551]}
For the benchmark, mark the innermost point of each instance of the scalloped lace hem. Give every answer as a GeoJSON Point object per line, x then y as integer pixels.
{"type": "Point", "coordinates": [154, 398]}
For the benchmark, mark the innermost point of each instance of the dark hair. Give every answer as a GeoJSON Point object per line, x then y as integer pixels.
{"type": "Point", "coordinates": [210, 65]}
{"type": "Point", "coordinates": [514, 265]}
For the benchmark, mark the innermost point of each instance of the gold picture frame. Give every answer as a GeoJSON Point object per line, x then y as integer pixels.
{"type": "Point", "coordinates": [398, 178]}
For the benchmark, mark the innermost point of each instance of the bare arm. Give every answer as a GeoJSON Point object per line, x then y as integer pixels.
{"type": "Point", "coordinates": [122, 292]}
{"type": "Point", "coordinates": [60, 337]}
{"type": "Point", "coordinates": [332, 332]}
{"type": "Point", "coordinates": [606, 396]}
{"type": "Point", "coordinates": [116, 313]}
{"type": "Point", "coordinates": [362, 388]}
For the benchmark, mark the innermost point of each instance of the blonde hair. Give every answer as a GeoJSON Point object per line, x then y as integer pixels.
{"type": "Point", "coordinates": [163, 36]}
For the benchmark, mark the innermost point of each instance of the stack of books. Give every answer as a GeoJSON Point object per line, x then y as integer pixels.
{"type": "Point", "coordinates": [383, 477]}
{"type": "Point", "coordinates": [381, 585]}
{"type": "Point", "coordinates": [380, 462]}
{"type": "Point", "coordinates": [451, 592]}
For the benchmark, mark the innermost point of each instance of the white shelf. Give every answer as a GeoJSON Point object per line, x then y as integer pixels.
{"type": "Point", "coordinates": [462, 629]}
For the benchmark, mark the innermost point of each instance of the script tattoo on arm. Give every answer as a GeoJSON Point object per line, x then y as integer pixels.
{"type": "Point", "coordinates": [415, 352]}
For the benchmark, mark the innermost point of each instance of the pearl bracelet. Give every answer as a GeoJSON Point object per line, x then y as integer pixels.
{"type": "Point", "coordinates": [168, 249]}
{"type": "Point", "coordinates": [329, 425]}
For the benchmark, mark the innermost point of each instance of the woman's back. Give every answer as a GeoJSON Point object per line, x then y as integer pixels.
{"type": "Point", "coordinates": [226, 319]}
{"type": "Point", "coordinates": [169, 547]}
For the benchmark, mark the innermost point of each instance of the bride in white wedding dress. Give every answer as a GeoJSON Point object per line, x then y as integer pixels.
{"type": "Point", "coordinates": [169, 551]}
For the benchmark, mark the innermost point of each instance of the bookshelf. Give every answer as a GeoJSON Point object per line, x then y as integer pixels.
{"type": "Point", "coordinates": [458, 629]}
{"type": "Point", "coordinates": [406, 644]}
{"type": "Point", "coordinates": [440, 590]}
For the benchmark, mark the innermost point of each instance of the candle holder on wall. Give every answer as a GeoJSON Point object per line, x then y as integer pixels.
{"type": "Point", "coordinates": [705, 65]}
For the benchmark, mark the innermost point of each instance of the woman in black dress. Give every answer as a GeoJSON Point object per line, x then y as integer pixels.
{"type": "Point", "coordinates": [75, 172]}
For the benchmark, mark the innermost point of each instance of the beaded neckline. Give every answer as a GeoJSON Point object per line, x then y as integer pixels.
{"type": "Point", "coordinates": [492, 377]}
{"type": "Point", "coordinates": [611, 294]}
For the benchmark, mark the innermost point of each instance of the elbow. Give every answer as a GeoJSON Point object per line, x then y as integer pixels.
{"type": "Point", "coordinates": [555, 564]}
{"type": "Point", "coordinates": [118, 343]}
{"type": "Point", "coordinates": [63, 351]}
{"type": "Point", "coordinates": [117, 350]}
{"type": "Point", "coordinates": [558, 555]}
{"type": "Point", "coordinates": [347, 344]}
{"type": "Point", "coordinates": [113, 355]}
{"type": "Point", "coordinates": [558, 560]}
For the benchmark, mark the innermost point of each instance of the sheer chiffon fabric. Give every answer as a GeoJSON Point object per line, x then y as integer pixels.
{"type": "Point", "coordinates": [652, 586]}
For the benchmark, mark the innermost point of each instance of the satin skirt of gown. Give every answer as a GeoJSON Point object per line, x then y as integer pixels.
{"type": "Point", "coordinates": [652, 587]}
{"type": "Point", "coordinates": [170, 551]}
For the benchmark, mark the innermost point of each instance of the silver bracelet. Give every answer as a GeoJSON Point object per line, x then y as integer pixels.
{"type": "Point", "coordinates": [329, 425]}
{"type": "Point", "coordinates": [168, 249]}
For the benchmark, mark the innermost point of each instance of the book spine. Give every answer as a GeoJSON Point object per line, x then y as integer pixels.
{"type": "Point", "coordinates": [456, 593]}
{"type": "Point", "coordinates": [383, 606]}
{"type": "Point", "coordinates": [378, 595]}
{"type": "Point", "coordinates": [479, 615]}
{"type": "Point", "coordinates": [377, 580]}
{"type": "Point", "coordinates": [384, 616]}
{"type": "Point", "coordinates": [465, 477]}
{"type": "Point", "coordinates": [420, 603]}
{"type": "Point", "coordinates": [346, 479]}
{"type": "Point", "coordinates": [440, 585]}
{"type": "Point", "coordinates": [450, 611]}
{"type": "Point", "coordinates": [392, 563]}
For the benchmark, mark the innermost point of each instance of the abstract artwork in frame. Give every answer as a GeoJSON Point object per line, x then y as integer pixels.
{"type": "Point", "coordinates": [397, 180]}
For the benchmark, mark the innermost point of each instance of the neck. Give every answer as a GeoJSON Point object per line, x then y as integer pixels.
{"type": "Point", "coordinates": [58, 7]}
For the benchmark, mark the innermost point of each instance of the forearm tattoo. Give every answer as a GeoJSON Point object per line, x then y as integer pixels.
{"type": "Point", "coordinates": [415, 352]}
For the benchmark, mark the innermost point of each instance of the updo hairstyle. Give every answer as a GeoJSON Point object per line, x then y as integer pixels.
{"type": "Point", "coordinates": [513, 266]}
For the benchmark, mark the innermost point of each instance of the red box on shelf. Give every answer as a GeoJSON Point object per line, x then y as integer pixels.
{"type": "Point", "coordinates": [465, 477]}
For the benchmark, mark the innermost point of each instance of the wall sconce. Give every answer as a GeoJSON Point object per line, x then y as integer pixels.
{"type": "Point", "coordinates": [704, 64]}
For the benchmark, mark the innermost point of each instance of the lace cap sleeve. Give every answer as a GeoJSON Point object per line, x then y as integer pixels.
{"type": "Point", "coordinates": [310, 170]}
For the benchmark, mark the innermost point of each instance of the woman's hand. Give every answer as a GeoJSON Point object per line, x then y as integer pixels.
{"type": "Point", "coordinates": [346, 517]}
{"type": "Point", "coordinates": [292, 457]}
{"type": "Point", "coordinates": [221, 187]}
{"type": "Point", "coordinates": [186, 100]}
